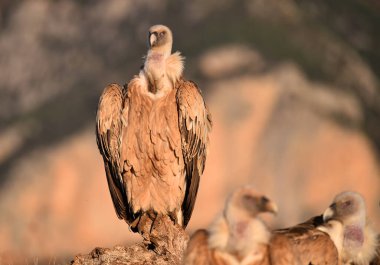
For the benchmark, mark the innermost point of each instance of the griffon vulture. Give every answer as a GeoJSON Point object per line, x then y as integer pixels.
{"type": "Point", "coordinates": [238, 236]}
{"type": "Point", "coordinates": [340, 236]}
{"type": "Point", "coordinates": [153, 135]}
{"type": "Point", "coordinates": [358, 239]}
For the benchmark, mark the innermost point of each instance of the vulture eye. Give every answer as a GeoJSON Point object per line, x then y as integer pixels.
{"type": "Point", "coordinates": [162, 33]}
{"type": "Point", "coordinates": [347, 203]}
{"type": "Point", "coordinates": [248, 198]}
{"type": "Point", "coordinates": [264, 200]}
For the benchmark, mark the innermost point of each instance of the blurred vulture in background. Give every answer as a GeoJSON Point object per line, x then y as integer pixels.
{"type": "Point", "coordinates": [304, 243]}
{"type": "Point", "coordinates": [357, 239]}
{"type": "Point", "coordinates": [238, 236]}
{"type": "Point", "coordinates": [342, 235]}
{"type": "Point", "coordinates": [153, 135]}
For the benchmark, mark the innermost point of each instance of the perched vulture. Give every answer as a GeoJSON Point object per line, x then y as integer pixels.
{"type": "Point", "coordinates": [238, 236]}
{"type": "Point", "coordinates": [153, 134]}
{"type": "Point", "coordinates": [340, 236]}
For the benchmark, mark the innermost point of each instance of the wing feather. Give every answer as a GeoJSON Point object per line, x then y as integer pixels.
{"type": "Point", "coordinates": [198, 252]}
{"type": "Point", "coordinates": [195, 124]}
{"type": "Point", "coordinates": [303, 244]}
{"type": "Point", "coordinates": [108, 138]}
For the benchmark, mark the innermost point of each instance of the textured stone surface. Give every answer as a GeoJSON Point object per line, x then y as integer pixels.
{"type": "Point", "coordinates": [132, 255]}
{"type": "Point", "coordinates": [170, 242]}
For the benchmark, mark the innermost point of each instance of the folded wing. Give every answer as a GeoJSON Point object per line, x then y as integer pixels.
{"type": "Point", "coordinates": [108, 137]}
{"type": "Point", "coordinates": [303, 244]}
{"type": "Point", "coordinates": [194, 124]}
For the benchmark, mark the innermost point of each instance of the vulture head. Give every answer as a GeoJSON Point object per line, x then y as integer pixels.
{"type": "Point", "coordinates": [348, 208]}
{"type": "Point", "coordinates": [247, 203]}
{"type": "Point", "coordinates": [160, 39]}
{"type": "Point", "coordinates": [240, 230]}
{"type": "Point", "coordinates": [359, 240]}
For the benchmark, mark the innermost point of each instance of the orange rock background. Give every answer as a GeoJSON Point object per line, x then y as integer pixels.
{"type": "Point", "coordinates": [292, 86]}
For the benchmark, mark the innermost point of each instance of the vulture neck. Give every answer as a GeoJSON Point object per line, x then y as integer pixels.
{"type": "Point", "coordinates": [162, 70]}
{"type": "Point", "coordinates": [247, 233]}
{"type": "Point", "coordinates": [334, 229]}
{"type": "Point", "coordinates": [360, 245]}
{"type": "Point", "coordinates": [354, 230]}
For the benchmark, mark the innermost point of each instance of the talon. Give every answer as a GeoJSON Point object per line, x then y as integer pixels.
{"type": "Point", "coordinates": [134, 224]}
{"type": "Point", "coordinates": [153, 221]}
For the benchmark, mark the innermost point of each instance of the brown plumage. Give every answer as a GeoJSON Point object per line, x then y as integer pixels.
{"type": "Point", "coordinates": [342, 235]}
{"type": "Point", "coordinates": [198, 251]}
{"type": "Point", "coordinates": [303, 244]}
{"type": "Point", "coordinates": [238, 236]}
{"type": "Point", "coordinates": [153, 135]}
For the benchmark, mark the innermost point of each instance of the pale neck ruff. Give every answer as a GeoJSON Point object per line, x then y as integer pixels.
{"type": "Point", "coordinates": [158, 54]}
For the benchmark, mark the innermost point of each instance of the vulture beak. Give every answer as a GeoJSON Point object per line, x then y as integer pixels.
{"type": "Point", "coordinates": [268, 205]}
{"type": "Point", "coordinates": [329, 213]}
{"type": "Point", "coordinates": [152, 38]}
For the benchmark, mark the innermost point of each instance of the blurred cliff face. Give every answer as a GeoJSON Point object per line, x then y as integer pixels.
{"type": "Point", "coordinates": [292, 86]}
